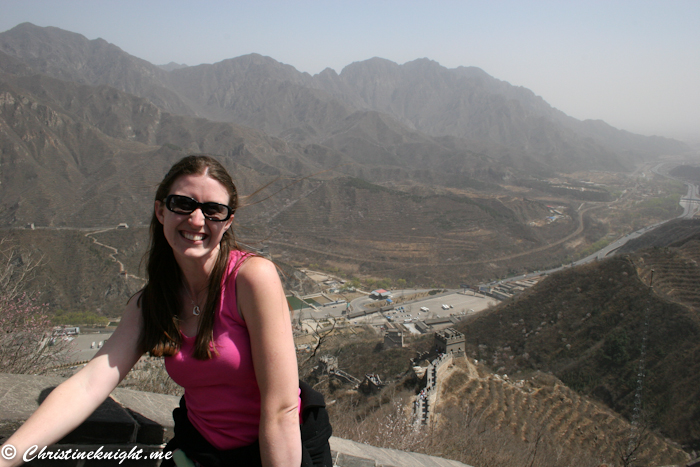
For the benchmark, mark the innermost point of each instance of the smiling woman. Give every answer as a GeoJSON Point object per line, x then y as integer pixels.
{"type": "Point", "coordinates": [219, 316]}
{"type": "Point", "coordinates": [193, 236]}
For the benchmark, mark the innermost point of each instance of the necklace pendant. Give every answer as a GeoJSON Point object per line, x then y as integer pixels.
{"type": "Point", "coordinates": [196, 310]}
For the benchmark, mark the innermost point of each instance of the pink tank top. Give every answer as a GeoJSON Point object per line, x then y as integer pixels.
{"type": "Point", "coordinates": [222, 394]}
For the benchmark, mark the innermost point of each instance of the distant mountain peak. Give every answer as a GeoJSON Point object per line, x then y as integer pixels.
{"type": "Point", "coordinates": [424, 62]}
{"type": "Point", "coordinates": [172, 66]}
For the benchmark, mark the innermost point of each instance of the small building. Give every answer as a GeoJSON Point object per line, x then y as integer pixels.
{"type": "Point", "coordinates": [374, 382]}
{"type": "Point", "coordinates": [393, 338]}
{"type": "Point", "coordinates": [380, 294]}
{"type": "Point", "coordinates": [328, 363]}
{"type": "Point", "coordinates": [422, 326]}
{"type": "Point", "coordinates": [66, 331]}
{"type": "Point", "coordinates": [450, 341]}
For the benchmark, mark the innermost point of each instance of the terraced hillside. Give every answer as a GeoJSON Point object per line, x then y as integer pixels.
{"type": "Point", "coordinates": [544, 419]}
{"type": "Point", "coordinates": [481, 418]}
{"type": "Point", "coordinates": [676, 271]}
{"type": "Point", "coordinates": [674, 232]}
{"type": "Point", "coordinates": [586, 326]}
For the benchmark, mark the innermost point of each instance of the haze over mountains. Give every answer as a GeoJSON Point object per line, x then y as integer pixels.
{"type": "Point", "coordinates": [259, 92]}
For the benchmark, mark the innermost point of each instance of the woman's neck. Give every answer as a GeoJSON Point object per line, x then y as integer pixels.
{"type": "Point", "coordinates": [195, 282]}
{"type": "Point", "coordinates": [196, 272]}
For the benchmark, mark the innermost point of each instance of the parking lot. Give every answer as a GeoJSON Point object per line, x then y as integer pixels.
{"type": "Point", "coordinates": [456, 302]}
{"type": "Point", "coordinates": [82, 348]}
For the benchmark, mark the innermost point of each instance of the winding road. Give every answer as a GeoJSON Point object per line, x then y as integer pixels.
{"type": "Point", "coordinates": [113, 254]}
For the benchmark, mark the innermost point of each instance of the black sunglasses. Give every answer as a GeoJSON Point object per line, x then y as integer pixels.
{"type": "Point", "coordinates": [184, 205]}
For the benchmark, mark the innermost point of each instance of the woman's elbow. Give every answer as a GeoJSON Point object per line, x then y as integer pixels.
{"type": "Point", "coordinates": [282, 412]}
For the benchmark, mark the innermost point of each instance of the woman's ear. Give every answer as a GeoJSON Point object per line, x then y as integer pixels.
{"type": "Point", "coordinates": [158, 209]}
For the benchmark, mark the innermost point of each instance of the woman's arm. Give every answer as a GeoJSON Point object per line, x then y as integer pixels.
{"type": "Point", "coordinates": [75, 399]}
{"type": "Point", "coordinates": [263, 305]}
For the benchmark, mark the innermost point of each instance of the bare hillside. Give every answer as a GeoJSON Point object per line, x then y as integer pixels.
{"type": "Point", "coordinates": [587, 326]}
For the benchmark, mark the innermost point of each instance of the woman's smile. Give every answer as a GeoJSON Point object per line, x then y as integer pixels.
{"type": "Point", "coordinates": [195, 237]}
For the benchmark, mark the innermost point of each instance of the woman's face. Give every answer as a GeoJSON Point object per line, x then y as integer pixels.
{"type": "Point", "coordinates": [191, 236]}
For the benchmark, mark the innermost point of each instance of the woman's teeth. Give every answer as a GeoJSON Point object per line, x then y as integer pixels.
{"type": "Point", "coordinates": [193, 237]}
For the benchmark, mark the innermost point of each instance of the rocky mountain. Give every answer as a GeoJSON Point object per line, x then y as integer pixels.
{"type": "Point", "coordinates": [172, 66]}
{"type": "Point", "coordinates": [77, 155]}
{"type": "Point", "coordinates": [424, 99]}
{"type": "Point", "coordinates": [72, 57]}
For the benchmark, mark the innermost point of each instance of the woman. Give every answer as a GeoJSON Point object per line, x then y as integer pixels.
{"type": "Point", "coordinates": [218, 315]}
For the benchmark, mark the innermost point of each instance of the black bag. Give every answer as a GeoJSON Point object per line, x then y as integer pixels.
{"type": "Point", "coordinates": [316, 430]}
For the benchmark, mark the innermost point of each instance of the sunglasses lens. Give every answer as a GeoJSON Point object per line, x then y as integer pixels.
{"type": "Point", "coordinates": [215, 211]}
{"type": "Point", "coordinates": [181, 204]}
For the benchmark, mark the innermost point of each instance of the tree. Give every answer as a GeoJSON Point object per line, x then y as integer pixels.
{"type": "Point", "coordinates": [628, 451]}
{"type": "Point", "coordinates": [26, 343]}
{"type": "Point", "coordinates": [354, 283]}
{"type": "Point", "coordinates": [615, 348]}
{"type": "Point", "coordinates": [384, 283]}
{"type": "Point", "coordinates": [321, 335]}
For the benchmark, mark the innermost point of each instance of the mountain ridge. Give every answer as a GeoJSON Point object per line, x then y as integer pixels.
{"type": "Point", "coordinates": [260, 92]}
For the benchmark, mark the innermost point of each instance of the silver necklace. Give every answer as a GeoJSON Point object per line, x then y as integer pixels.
{"type": "Point", "coordinates": [195, 308]}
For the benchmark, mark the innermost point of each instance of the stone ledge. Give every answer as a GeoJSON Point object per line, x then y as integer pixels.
{"type": "Point", "coordinates": [146, 419]}
{"type": "Point", "coordinates": [384, 457]}
{"type": "Point", "coordinates": [127, 416]}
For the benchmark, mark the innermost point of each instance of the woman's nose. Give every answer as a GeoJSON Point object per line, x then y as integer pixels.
{"type": "Point", "coordinates": [197, 217]}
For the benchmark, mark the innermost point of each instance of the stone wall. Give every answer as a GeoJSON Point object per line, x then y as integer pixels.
{"type": "Point", "coordinates": [426, 398]}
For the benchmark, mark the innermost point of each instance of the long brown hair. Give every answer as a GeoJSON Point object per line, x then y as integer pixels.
{"type": "Point", "coordinates": [160, 299]}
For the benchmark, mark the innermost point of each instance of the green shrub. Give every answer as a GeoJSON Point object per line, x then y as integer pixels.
{"type": "Point", "coordinates": [76, 318]}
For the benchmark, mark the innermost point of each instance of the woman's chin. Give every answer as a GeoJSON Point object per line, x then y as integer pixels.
{"type": "Point", "coordinates": [196, 252]}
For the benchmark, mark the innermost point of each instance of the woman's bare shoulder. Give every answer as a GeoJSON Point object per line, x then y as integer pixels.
{"type": "Point", "coordinates": [135, 300]}
{"type": "Point", "coordinates": [258, 288]}
{"type": "Point", "coordinates": [255, 270]}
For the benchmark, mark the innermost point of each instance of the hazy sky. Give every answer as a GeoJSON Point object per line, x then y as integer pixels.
{"type": "Point", "coordinates": [633, 63]}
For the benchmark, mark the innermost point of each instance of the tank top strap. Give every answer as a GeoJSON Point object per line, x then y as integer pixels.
{"type": "Point", "coordinates": [228, 301]}
{"type": "Point", "coordinates": [235, 260]}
